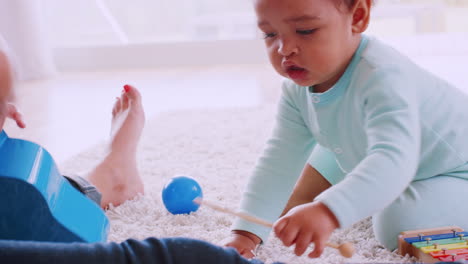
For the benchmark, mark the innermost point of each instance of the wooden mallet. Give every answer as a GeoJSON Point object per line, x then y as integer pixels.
{"type": "Point", "coordinates": [345, 249]}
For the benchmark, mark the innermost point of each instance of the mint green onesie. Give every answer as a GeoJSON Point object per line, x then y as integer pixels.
{"type": "Point", "coordinates": [390, 137]}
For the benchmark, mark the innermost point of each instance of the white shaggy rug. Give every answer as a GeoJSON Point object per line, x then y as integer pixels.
{"type": "Point", "coordinates": [218, 148]}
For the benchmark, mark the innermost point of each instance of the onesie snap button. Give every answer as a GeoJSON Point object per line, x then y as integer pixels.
{"type": "Point", "coordinates": [338, 150]}
{"type": "Point", "coordinates": [315, 99]}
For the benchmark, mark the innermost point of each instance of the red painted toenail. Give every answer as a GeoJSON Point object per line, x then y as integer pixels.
{"type": "Point", "coordinates": [127, 88]}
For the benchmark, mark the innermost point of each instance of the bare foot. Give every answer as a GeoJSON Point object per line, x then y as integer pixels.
{"type": "Point", "coordinates": [117, 177]}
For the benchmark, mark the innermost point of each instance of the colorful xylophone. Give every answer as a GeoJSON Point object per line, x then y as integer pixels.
{"type": "Point", "coordinates": [447, 244]}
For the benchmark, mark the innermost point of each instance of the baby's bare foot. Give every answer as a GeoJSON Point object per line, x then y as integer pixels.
{"type": "Point", "coordinates": [117, 177]}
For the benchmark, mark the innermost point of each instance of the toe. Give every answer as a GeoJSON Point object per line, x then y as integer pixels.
{"type": "Point", "coordinates": [125, 101]}
{"type": "Point", "coordinates": [19, 120]}
{"type": "Point", "coordinates": [13, 113]}
{"type": "Point", "coordinates": [117, 106]}
{"type": "Point", "coordinates": [132, 93]}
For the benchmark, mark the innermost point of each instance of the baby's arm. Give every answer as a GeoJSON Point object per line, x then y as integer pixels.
{"type": "Point", "coordinates": [320, 173]}
{"type": "Point", "coordinates": [276, 171]}
{"type": "Point", "coordinates": [310, 185]}
{"type": "Point", "coordinates": [302, 218]}
{"type": "Point", "coordinates": [393, 135]}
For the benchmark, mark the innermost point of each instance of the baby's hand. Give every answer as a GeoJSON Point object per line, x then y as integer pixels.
{"type": "Point", "coordinates": [244, 242]}
{"type": "Point", "coordinates": [311, 222]}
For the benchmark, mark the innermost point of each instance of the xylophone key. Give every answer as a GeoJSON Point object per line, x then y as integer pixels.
{"type": "Point", "coordinates": [429, 249]}
{"type": "Point", "coordinates": [445, 253]}
{"type": "Point", "coordinates": [421, 237]}
{"type": "Point", "coordinates": [454, 258]}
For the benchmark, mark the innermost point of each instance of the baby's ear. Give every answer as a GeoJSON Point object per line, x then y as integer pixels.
{"type": "Point", "coordinates": [361, 15]}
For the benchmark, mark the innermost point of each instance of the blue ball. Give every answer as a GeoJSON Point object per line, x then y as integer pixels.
{"type": "Point", "coordinates": [178, 195]}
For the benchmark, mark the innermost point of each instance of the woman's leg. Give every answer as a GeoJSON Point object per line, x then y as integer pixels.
{"type": "Point", "coordinates": [116, 176]}
{"type": "Point", "coordinates": [435, 202]}
{"type": "Point", "coordinates": [151, 250]}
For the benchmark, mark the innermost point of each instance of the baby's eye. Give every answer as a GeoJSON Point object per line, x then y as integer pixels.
{"type": "Point", "coordinates": [268, 35]}
{"type": "Point", "coordinates": [305, 32]}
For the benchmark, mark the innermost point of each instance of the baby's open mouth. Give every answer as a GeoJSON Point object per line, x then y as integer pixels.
{"type": "Point", "coordinates": [295, 68]}
{"type": "Point", "coordinates": [295, 72]}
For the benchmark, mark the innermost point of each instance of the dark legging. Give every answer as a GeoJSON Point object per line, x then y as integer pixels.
{"type": "Point", "coordinates": [151, 250]}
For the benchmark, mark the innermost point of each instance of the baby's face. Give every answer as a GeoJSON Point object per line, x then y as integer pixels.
{"type": "Point", "coordinates": [307, 40]}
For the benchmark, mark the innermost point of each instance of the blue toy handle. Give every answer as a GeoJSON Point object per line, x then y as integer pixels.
{"type": "Point", "coordinates": [38, 203]}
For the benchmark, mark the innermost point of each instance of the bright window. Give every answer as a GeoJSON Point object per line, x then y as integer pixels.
{"type": "Point", "coordinates": [122, 22]}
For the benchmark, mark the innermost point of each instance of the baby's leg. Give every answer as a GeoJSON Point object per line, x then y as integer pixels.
{"type": "Point", "coordinates": [116, 176]}
{"type": "Point", "coordinates": [430, 203]}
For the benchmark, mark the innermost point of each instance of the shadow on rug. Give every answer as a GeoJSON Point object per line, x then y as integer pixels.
{"type": "Point", "coordinates": [219, 149]}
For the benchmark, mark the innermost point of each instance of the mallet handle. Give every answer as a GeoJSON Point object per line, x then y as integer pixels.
{"type": "Point", "coordinates": [244, 216]}
{"type": "Point", "coordinates": [348, 252]}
